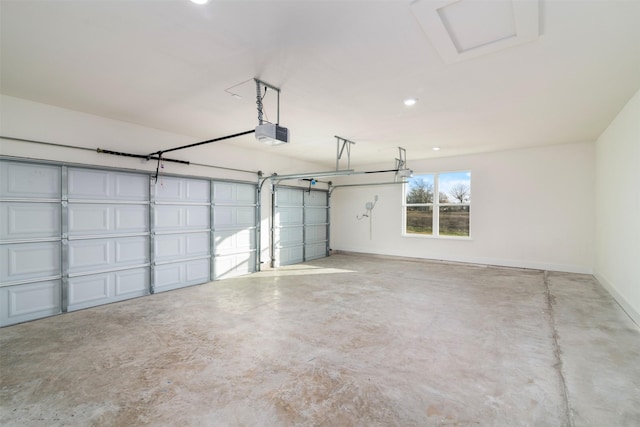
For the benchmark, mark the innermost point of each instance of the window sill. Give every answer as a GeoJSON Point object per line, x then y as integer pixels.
{"type": "Point", "coordinates": [430, 236]}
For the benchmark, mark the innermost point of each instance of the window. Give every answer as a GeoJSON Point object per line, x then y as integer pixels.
{"type": "Point", "coordinates": [445, 215]}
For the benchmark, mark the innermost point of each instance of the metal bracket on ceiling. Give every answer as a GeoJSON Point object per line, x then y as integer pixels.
{"type": "Point", "coordinates": [401, 162]}
{"type": "Point", "coordinates": [260, 96]}
{"type": "Point", "coordinates": [346, 144]}
{"type": "Point", "coordinates": [402, 170]}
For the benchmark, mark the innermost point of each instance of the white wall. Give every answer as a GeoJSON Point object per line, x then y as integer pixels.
{"type": "Point", "coordinates": [617, 263]}
{"type": "Point", "coordinates": [24, 119]}
{"type": "Point", "coordinates": [531, 208]}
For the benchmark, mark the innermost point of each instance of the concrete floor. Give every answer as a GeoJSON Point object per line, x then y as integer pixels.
{"type": "Point", "coordinates": [343, 341]}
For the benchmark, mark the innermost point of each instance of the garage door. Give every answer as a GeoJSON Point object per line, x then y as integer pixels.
{"type": "Point", "coordinates": [181, 233]}
{"type": "Point", "coordinates": [108, 237]}
{"type": "Point", "coordinates": [30, 241]}
{"type": "Point", "coordinates": [74, 237]}
{"type": "Point", "coordinates": [234, 229]}
{"type": "Point", "coordinates": [300, 225]}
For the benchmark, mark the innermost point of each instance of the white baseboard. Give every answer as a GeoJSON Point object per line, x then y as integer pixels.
{"type": "Point", "coordinates": [630, 310]}
{"type": "Point", "coordinates": [490, 261]}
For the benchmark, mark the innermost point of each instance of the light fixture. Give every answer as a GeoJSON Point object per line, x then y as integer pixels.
{"type": "Point", "coordinates": [410, 101]}
{"type": "Point", "coordinates": [200, 1]}
{"type": "Point", "coordinates": [436, 148]}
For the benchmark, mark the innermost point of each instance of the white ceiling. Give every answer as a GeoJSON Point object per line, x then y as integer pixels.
{"type": "Point", "coordinates": [343, 67]}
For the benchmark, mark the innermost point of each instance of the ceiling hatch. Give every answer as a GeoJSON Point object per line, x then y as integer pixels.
{"type": "Point", "coordinates": [464, 29]}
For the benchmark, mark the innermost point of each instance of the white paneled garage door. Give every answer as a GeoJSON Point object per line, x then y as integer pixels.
{"type": "Point", "coordinates": [108, 237]}
{"type": "Point", "coordinates": [300, 225]}
{"type": "Point", "coordinates": [182, 233]}
{"type": "Point", "coordinates": [30, 241]}
{"type": "Point", "coordinates": [75, 237]}
{"type": "Point", "coordinates": [234, 229]}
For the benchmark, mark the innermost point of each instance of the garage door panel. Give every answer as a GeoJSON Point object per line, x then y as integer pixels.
{"type": "Point", "coordinates": [24, 180]}
{"type": "Point", "coordinates": [21, 303]}
{"type": "Point", "coordinates": [131, 250]}
{"type": "Point", "coordinates": [198, 244]}
{"type": "Point", "coordinates": [315, 233]}
{"type": "Point", "coordinates": [198, 271]}
{"type": "Point", "coordinates": [177, 275]}
{"type": "Point", "coordinates": [234, 193]}
{"type": "Point", "coordinates": [95, 219]}
{"type": "Point", "coordinates": [98, 289]}
{"type": "Point", "coordinates": [198, 217]}
{"type": "Point", "coordinates": [131, 187]}
{"type": "Point", "coordinates": [232, 241]}
{"type": "Point", "coordinates": [169, 246]}
{"type": "Point", "coordinates": [315, 198]}
{"type": "Point", "coordinates": [100, 254]}
{"type": "Point", "coordinates": [131, 283]}
{"type": "Point", "coordinates": [290, 255]}
{"type": "Point", "coordinates": [234, 216]}
{"type": "Point", "coordinates": [197, 191]}
{"type": "Point", "coordinates": [93, 184]}
{"type": "Point", "coordinates": [24, 261]}
{"type": "Point", "coordinates": [87, 255]}
{"type": "Point", "coordinates": [173, 246]}
{"type": "Point", "coordinates": [29, 220]}
{"type": "Point", "coordinates": [86, 291]}
{"type": "Point", "coordinates": [287, 236]}
{"type": "Point", "coordinates": [175, 189]}
{"type": "Point", "coordinates": [246, 217]}
{"type": "Point", "coordinates": [315, 250]}
{"type": "Point", "coordinates": [168, 217]}
{"type": "Point", "coordinates": [182, 214]}
{"type": "Point", "coordinates": [290, 216]}
{"type": "Point", "coordinates": [289, 196]}
{"type": "Point", "coordinates": [169, 189]}
{"type": "Point", "coordinates": [172, 217]}
{"type": "Point", "coordinates": [89, 219]}
{"type": "Point", "coordinates": [315, 215]}
{"type": "Point", "coordinates": [131, 218]}
{"type": "Point", "coordinates": [168, 276]}
{"type": "Point", "coordinates": [227, 266]}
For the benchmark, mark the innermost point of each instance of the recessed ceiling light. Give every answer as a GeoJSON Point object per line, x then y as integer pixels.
{"type": "Point", "coordinates": [200, 1]}
{"type": "Point", "coordinates": [410, 101]}
{"type": "Point", "coordinates": [436, 148]}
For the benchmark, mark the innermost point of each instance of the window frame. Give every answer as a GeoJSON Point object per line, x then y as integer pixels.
{"type": "Point", "coordinates": [435, 207]}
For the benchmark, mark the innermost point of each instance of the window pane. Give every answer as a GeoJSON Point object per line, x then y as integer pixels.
{"type": "Point", "coordinates": [454, 187]}
{"type": "Point", "coordinates": [454, 220]}
{"type": "Point", "coordinates": [420, 189]}
{"type": "Point", "coordinates": [420, 219]}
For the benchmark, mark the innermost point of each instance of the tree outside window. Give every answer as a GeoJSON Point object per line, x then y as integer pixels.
{"type": "Point", "coordinates": [445, 215]}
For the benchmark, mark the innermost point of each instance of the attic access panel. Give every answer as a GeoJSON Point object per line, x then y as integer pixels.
{"type": "Point", "coordinates": [465, 29]}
